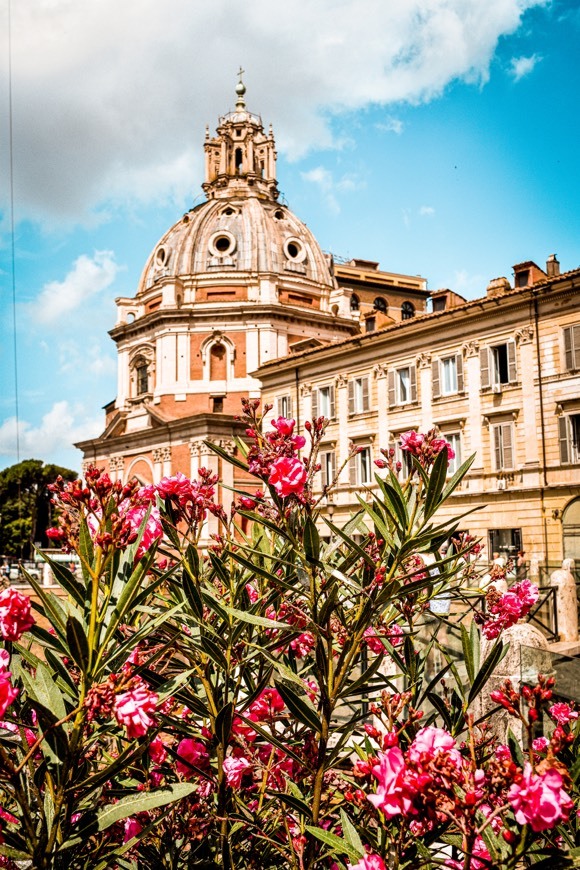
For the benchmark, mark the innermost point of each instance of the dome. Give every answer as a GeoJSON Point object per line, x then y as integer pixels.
{"type": "Point", "coordinates": [244, 234]}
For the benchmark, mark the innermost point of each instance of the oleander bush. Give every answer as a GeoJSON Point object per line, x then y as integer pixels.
{"type": "Point", "coordinates": [270, 700]}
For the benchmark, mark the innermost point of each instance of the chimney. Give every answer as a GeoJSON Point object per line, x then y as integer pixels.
{"type": "Point", "coordinates": [498, 286]}
{"type": "Point", "coordinates": [552, 266]}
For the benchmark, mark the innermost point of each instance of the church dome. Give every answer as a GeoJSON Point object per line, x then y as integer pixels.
{"type": "Point", "coordinates": [241, 234]}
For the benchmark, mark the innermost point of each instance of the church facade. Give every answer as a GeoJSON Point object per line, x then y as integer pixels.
{"type": "Point", "coordinates": [237, 299]}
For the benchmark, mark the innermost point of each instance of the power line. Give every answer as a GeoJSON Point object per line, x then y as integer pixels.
{"type": "Point", "coordinates": [12, 231]}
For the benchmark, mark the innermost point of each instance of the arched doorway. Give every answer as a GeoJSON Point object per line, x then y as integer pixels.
{"type": "Point", "coordinates": [571, 531]}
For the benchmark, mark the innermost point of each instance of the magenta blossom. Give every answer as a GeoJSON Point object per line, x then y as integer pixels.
{"type": "Point", "coordinates": [284, 426]}
{"type": "Point", "coordinates": [397, 786]}
{"type": "Point", "coordinates": [563, 713]}
{"type": "Point", "coordinates": [193, 753]}
{"type": "Point", "coordinates": [7, 692]}
{"type": "Point", "coordinates": [15, 616]}
{"type": "Point", "coordinates": [153, 530]}
{"type": "Point", "coordinates": [132, 829]}
{"type": "Point", "coordinates": [287, 476]}
{"type": "Point", "coordinates": [235, 769]}
{"type": "Point", "coordinates": [430, 742]}
{"type": "Point", "coordinates": [412, 441]}
{"type": "Point", "coordinates": [539, 799]}
{"type": "Point", "coordinates": [132, 710]}
{"type": "Point", "coordinates": [369, 862]}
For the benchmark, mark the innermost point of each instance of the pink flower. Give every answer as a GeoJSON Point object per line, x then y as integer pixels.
{"type": "Point", "coordinates": [439, 444]}
{"type": "Point", "coordinates": [393, 633]}
{"type": "Point", "coordinates": [178, 487]}
{"type": "Point", "coordinates": [193, 754]}
{"type": "Point", "coordinates": [267, 704]}
{"type": "Point", "coordinates": [303, 644]}
{"type": "Point", "coordinates": [284, 426]}
{"type": "Point", "coordinates": [397, 785]}
{"type": "Point", "coordinates": [7, 692]}
{"type": "Point", "coordinates": [157, 750]}
{"type": "Point", "coordinates": [539, 799]}
{"type": "Point", "coordinates": [287, 476]}
{"type": "Point", "coordinates": [412, 441]}
{"type": "Point", "coordinates": [4, 660]}
{"type": "Point", "coordinates": [369, 862]}
{"type": "Point", "coordinates": [153, 530]}
{"type": "Point", "coordinates": [563, 713]}
{"type": "Point", "coordinates": [132, 708]}
{"type": "Point", "coordinates": [512, 606]}
{"type": "Point", "coordinates": [540, 744]}
{"type": "Point", "coordinates": [429, 742]}
{"type": "Point", "coordinates": [234, 769]}
{"type": "Point", "coordinates": [15, 616]}
{"type": "Point", "coordinates": [132, 829]}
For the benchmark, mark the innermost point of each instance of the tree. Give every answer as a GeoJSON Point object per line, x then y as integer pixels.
{"type": "Point", "coordinates": [25, 507]}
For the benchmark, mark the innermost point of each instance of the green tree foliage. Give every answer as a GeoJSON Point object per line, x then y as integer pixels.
{"type": "Point", "coordinates": [25, 508]}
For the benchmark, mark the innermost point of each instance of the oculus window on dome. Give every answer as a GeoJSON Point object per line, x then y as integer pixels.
{"type": "Point", "coordinates": [222, 244]}
{"type": "Point", "coordinates": [294, 250]}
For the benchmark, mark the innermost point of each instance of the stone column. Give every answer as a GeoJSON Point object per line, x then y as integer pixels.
{"type": "Point", "coordinates": [566, 604]}
{"type": "Point", "coordinates": [426, 387]}
{"type": "Point", "coordinates": [473, 387]}
{"type": "Point", "coordinates": [116, 467]}
{"type": "Point", "coordinates": [341, 386]}
{"type": "Point", "coordinates": [226, 496]}
{"type": "Point", "coordinates": [166, 459]}
{"type": "Point", "coordinates": [123, 380]}
{"type": "Point", "coordinates": [209, 460]}
{"type": "Point", "coordinates": [194, 448]}
{"type": "Point", "coordinates": [524, 337]}
{"type": "Point", "coordinates": [157, 464]}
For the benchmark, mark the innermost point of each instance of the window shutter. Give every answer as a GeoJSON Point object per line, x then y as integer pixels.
{"type": "Point", "coordinates": [511, 355]}
{"type": "Point", "coordinates": [435, 377]}
{"type": "Point", "coordinates": [351, 405]}
{"type": "Point", "coordinates": [568, 349]}
{"type": "Point", "coordinates": [352, 470]}
{"type": "Point", "coordinates": [413, 376]}
{"type": "Point", "coordinates": [459, 368]}
{"type": "Point", "coordinates": [497, 448]}
{"type": "Point", "coordinates": [484, 367]}
{"type": "Point", "coordinates": [564, 443]}
{"type": "Point", "coordinates": [508, 446]}
{"type": "Point", "coordinates": [365, 394]}
{"type": "Point", "coordinates": [331, 403]}
{"type": "Point", "coordinates": [289, 405]}
{"type": "Point", "coordinates": [391, 385]}
{"type": "Point", "coordinates": [315, 413]}
{"type": "Point", "coordinates": [323, 467]}
{"type": "Point", "coordinates": [576, 347]}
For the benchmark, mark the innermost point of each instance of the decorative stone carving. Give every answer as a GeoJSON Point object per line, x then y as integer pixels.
{"type": "Point", "coordinates": [341, 381]}
{"type": "Point", "coordinates": [194, 447]}
{"type": "Point", "coordinates": [305, 389]}
{"type": "Point", "coordinates": [85, 466]}
{"type": "Point", "coordinates": [524, 335]}
{"type": "Point", "coordinates": [380, 370]}
{"type": "Point", "coordinates": [158, 454]}
{"type": "Point", "coordinates": [470, 348]}
{"type": "Point", "coordinates": [117, 463]}
{"type": "Point", "coordinates": [228, 446]}
{"type": "Point", "coordinates": [424, 360]}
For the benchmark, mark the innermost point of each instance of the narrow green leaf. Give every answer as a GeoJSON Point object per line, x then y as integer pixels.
{"type": "Point", "coordinates": [436, 483]}
{"type": "Point", "coordinates": [496, 654]}
{"type": "Point", "coordinates": [351, 834]}
{"type": "Point", "coordinates": [300, 706]}
{"type": "Point", "coordinates": [311, 541]}
{"type": "Point", "coordinates": [223, 723]}
{"type": "Point", "coordinates": [77, 642]}
{"type": "Point", "coordinates": [67, 580]}
{"type": "Point", "coordinates": [211, 649]}
{"type": "Point", "coordinates": [292, 801]}
{"type": "Point", "coordinates": [467, 653]}
{"type": "Point", "coordinates": [457, 477]}
{"type": "Point", "coordinates": [232, 460]}
{"type": "Point", "coordinates": [337, 846]}
{"type": "Point", "coordinates": [350, 543]}
{"type": "Point", "coordinates": [252, 619]}
{"type": "Point", "coordinates": [441, 708]}
{"type": "Point", "coordinates": [86, 548]}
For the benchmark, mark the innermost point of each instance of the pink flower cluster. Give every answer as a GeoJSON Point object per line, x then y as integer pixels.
{"type": "Point", "coordinates": [539, 800]}
{"type": "Point", "coordinates": [505, 610]}
{"type": "Point", "coordinates": [273, 457]}
{"type": "Point", "coordinates": [369, 862]}
{"type": "Point", "coordinates": [189, 500]}
{"type": "Point", "coordinates": [15, 616]}
{"type": "Point", "coordinates": [288, 476]}
{"type": "Point", "coordinates": [393, 633]}
{"type": "Point", "coordinates": [132, 708]}
{"type": "Point", "coordinates": [7, 691]}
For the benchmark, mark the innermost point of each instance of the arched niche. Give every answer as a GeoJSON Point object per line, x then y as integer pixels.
{"type": "Point", "coordinates": [142, 468]}
{"type": "Point", "coordinates": [218, 357]}
{"type": "Point", "coordinates": [571, 530]}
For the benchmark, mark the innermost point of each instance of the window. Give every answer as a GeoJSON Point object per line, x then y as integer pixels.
{"type": "Point", "coordinates": [323, 402]}
{"type": "Point", "coordinates": [327, 467]}
{"type": "Point", "coordinates": [370, 324]}
{"type": "Point", "coordinates": [354, 303]}
{"type": "Point", "coordinates": [571, 336]}
{"type": "Point", "coordinates": [380, 304]}
{"type": "Point", "coordinates": [498, 365]}
{"type": "Point", "coordinates": [218, 404]}
{"type": "Point", "coordinates": [360, 468]}
{"type": "Point", "coordinates": [448, 376]}
{"type": "Point", "coordinates": [569, 435]}
{"type": "Point", "coordinates": [503, 446]}
{"type": "Point", "coordinates": [358, 395]}
{"type": "Point", "coordinates": [454, 439]}
{"type": "Point", "coordinates": [284, 406]}
{"type": "Point", "coordinates": [407, 310]}
{"type": "Point", "coordinates": [402, 386]}
{"type": "Point", "coordinates": [142, 378]}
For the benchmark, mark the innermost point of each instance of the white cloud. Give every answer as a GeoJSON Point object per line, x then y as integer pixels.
{"type": "Point", "coordinates": [88, 277]}
{"type": "Point", "coordinates": [110, 99]}
{"type": "Point", "coordinates": [329, 187]}
{"type": "Point", "coordinates": [427, 211]}
{"type": "Point", "coordinates": [58, 430]}
{"type": "Point", "coordinates": [391, 125]}
{"type": "Point", "coordinates": [523, 66]}
{"type": "Point", "coordinates": [87, 357]}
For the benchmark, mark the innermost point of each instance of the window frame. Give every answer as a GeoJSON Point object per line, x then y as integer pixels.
{"type": "Point", "coordinates": [285, 399]}
{"type": "Point", "coordinates": [500, 447]}
{"type": "Point", "coordinates": [358, 395]}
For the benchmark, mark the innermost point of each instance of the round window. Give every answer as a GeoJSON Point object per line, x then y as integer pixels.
{"type": "Point", "coordinates": [279, 215]}
{"type": "Point", "coordinates": [161, 256]}
{"type": "Point", "coordinates": [222, 243]}
{"type": "Point", "coordinates": [294, 250]}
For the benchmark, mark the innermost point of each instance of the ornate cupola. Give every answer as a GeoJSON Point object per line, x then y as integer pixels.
{"type": "Point", "coordinates": [241, 159]}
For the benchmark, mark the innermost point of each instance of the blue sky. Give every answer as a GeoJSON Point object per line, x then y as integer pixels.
{"type": "Point", "coordinates": [439, 137]}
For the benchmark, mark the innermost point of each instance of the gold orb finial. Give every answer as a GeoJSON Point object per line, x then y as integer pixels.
{"type": "Point", "coordinates": [240, 90]}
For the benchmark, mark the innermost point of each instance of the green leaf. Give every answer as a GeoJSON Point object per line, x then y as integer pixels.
{"type": "Point", "coordinates": [351, 834]}
{"type": "Point", "coordinates": [498, 651]}
{"type": "Point", "coordinates": [77, 642]}
{"type": "Point", "coordinates": [458, 477]}
{"type": "Point", "coordinates": [311, 541]}
{"type": "Point", "coordinates": [87, 551]}
{"type": "Point", "coordinates": [210, 648]}
{"type": "Point", "coordinates": [337, 846]}
{"type": "Point", "coordinates": [192, 595]}
{"type": "Point", "coordinates": [232, 460]}
{"type": "Point", "coordinates": [436, 483]}
{"type": "Point", "coordinates": [300, 706]}
{"type": "Point", "coordinates": [252, 619]}
{"type": "Point", "coordinates": [128, 806]}
{"type": "Point", "coordinates": [364, 679]}
{"type": "Point", "coordinates": [295, 802]}
{"type": "Point", "coordinates": [467, 653]}
{"type": "Point", "coordinates": [223, 723]}
{"type": "Point", "coordinates": [67, 580]}
{"type": "Point", "coordinates": [44, 690]}
{"type": "Point", "coordinates": [350, 543]}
